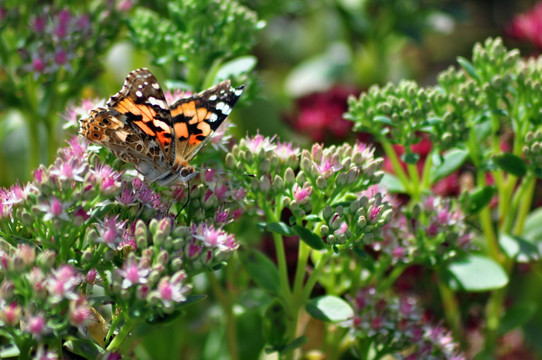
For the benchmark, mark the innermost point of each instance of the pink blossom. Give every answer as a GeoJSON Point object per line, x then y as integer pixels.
{"type": "Point", "coordinates": [259, 142]}
{"type": "Point", "coordinates": [302, 194]}
{"type": "Point", "coordinates": [133, 274]}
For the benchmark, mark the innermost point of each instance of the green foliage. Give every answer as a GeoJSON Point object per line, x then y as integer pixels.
{"type": "Point", "coordinates": [199, 35]}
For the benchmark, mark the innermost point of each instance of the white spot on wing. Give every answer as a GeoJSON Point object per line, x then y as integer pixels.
{"type": "Point", "coordinates": [223, 107]}
{"type": "Point", "coordinates": [212, 97]}
{"type": "Point", "coordinates": [139, 93]}
{"type": "Point", "coordinates": [156, 86]}
{"type": "Point", "coordinates": [154, 101]}
{"type": "Point", "coordinates": [213, 117]}
{"type": "Point", "coordinates": [238, 92]}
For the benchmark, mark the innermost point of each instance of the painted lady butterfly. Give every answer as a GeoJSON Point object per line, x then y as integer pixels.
{"type": "Point", "coordinates": [138, 126]}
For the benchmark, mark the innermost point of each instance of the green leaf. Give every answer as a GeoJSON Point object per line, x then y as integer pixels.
{"type": "Point", "coordinates": [236, 67]}
{"type": "Point", "coordinates": [296, 343]}
{"type": "Point", "coordinates": [9, 351]}
{"type": "Point", "coordinates": [474, 202]}
{"type": "Point", "coordinates": [510, 163]}
{"type": "Point", "coordinates": [261, 269]}
{"type": "Point", "coordinates": [245, 324]}
{"type": "Point", "coordinates": [329, 308]}
{"type": "Point", "coordinates": [383, 120]}
{"type": "Point", "coordinates": [451, 161]}
{"type": "Point", "coordinates": [518, 248]}
{"type": "Point", "coordinates": [280, 228]}
{"type": "Point", "coordinates": [392, 184]}
{"type": "Point", "coordinates": [434, 120]}
{"type": "Point", "coordinates": [312, 217]}
{"type": "Point", "coordinates": [410, 158]}
{"type": "Point", "coordinates": [517, 315]}
{"type": "Point", "coordinates": [310, 238]}
{"type": "Point", "coordinates": [468, 67]}
{"type": "Point", "coordinates": [85, 348]}
{"type": "Point", "coordinates": [476, 273]}
{"type": "Point", "coordinates": [533, 231]}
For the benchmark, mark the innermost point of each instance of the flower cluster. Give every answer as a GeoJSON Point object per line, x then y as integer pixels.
{"type": "Point", "coordinates": [59, 37]}
{"type": "Point", "coordinates": [323, 185]}
{"type": "Point", "coordinates": [433, 231]}
{"type": "Point", "coordinates": [533, 151]}
{"type": "Point", "coordinates": [216, 199]}
{"type": "Point", "coordinates": [81, 234]}
{"type": "Point", "coordinates": [396, 325]}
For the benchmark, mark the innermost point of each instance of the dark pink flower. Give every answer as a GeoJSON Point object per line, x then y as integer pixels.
{"type": "Point", "coordinates": [302, 194]}
{"type": "Point", "coordinates": [61, 57]}
{"type": "Point", "coordinates": [38, 24]}
{"type": "Point", "coordinates": [38, 65]}
{"type": "Point", "coordinates": [528, 27]}
{"type": "Point", "coordinates": [320, 115]}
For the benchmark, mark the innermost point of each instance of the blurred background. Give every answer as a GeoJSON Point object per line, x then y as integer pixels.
{"type": "Point", "coordinates": [300, 59]}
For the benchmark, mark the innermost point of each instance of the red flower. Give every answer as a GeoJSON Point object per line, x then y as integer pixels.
{"type": "Point", "coordinates": [528, 27]}
{"type": "Point", "coordinates": [320, 115]}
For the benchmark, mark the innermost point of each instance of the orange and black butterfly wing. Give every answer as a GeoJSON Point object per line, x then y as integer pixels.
{"type": "Point", "coordinates": [135, 125]}
{"type": "Point", "coordinates": [195, 118]}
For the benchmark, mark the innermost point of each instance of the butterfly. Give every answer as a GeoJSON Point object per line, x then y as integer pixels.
{"type": "Point", "coordinates": [139, 127]}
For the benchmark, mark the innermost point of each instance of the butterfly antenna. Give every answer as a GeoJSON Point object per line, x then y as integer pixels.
{"type": "Point", "coordinates": [223, 171]}
{"type": "Point", "coordinates": [187, 198]}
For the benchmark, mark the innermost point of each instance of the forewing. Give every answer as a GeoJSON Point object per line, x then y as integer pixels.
{"type": "Point", "coordinates": [195, 118]}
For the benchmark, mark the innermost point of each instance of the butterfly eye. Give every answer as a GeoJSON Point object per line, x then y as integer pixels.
{"type": "Point", "coordinates": [187, 173]}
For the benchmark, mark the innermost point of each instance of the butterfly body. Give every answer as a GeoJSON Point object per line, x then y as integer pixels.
{"type": "Point", "coordinates": [139, 127]}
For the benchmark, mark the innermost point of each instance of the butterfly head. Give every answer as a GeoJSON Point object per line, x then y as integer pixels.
{"type": "Point", "coordinates": [186, 173]}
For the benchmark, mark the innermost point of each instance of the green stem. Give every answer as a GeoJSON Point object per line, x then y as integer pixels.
{"type": "Point", "coordinates": [313, 278]}
{"type": "Point", "coordinates": [426, 175]}
{"type": "Point", "coordinates": [415, 182]}
{"type": "Point", "coordinates": [399, 172]}
{"type": "Point", "coordinates": [487, 225]}
{"type": "Point", "coordinates": [386, 282]}
{"type": "Point", "coordinates": [302, 259]}
{"type": "Point", "coordinates": [493, 315]}
{"type": "Point", "coordinates": [226, 303]}
{"type": "Point", "coordinates": [279, 249]}
{"type": "Point", "coordinates": [123, 333]}
{"type": "Point", "coordinates": [451, 308]}
{"type": "Point", "coordinates": [525, 193]}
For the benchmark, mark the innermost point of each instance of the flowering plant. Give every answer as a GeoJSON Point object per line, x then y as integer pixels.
{"type": "Point", "coordinates": [91, 256]}
{"type": "Point", "coordinates": [482, 119]}
{"type": "Point", "coordinates": [48, 52]}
